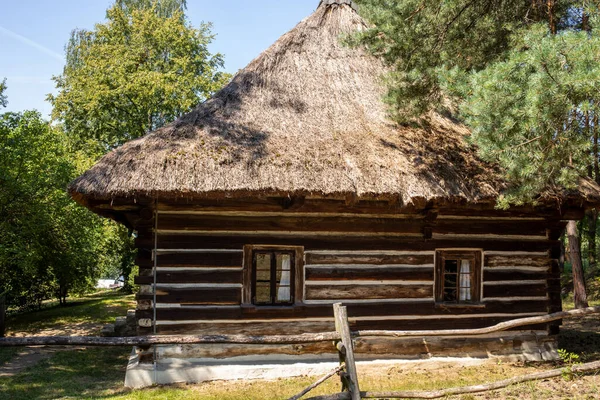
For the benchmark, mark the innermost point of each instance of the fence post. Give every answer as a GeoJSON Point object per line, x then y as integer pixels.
{"type": "Point", "coordinates": [346, 351]}
{"type": "Point", "coordinates": [2, 313]}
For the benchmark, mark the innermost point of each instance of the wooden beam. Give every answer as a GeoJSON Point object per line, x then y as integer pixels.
{"type": "Point", "coordinates": [343, 329]}
{"type": "Point", "coordinates": [161, 340]}
{"type": "Point", "coordinates": [481, 331]}
{"type": "Point", "coordinates": [317, 383]}
{"type": "Point", "coordinates": [276, 339]}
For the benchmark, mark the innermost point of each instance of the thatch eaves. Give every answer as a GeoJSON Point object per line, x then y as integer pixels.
{"type": "Point", "coordinates": [304, 117]}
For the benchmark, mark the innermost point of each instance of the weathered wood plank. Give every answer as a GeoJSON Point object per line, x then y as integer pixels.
{"type": "Point", "coordinates": [300, 326]}
{"type": "Point", "coordinates": [255, 328]}
{"type": "Point", "coordinates": [491, 275]}
{"type": "Point", "coordinates": [475, 227]}
{"type": "Point", "coordinates": [369, 273]}
{"type": "Point", "coordinates": [340, 243]}
{"type": "Point", "coordinates": [536, 290]}
{"type": "Point", "coordinates": [373, 259]}
{"type": "Point", "coordinates": [354, 311]}
{"type": "Point", "coordinates": [206, 295]}
{"type": "Point", "coordinates": [518, 260]}
{"type": "Point", "coordinates": [343, 329]}
{"type": "Point", "coordinates": [206, 260]}
{"type": "Point", "coordinates": [381, 291]}
{"type": "Point", "coordinates": [192, 276]}
{"type": "Point", "coordinates": [287, 223]}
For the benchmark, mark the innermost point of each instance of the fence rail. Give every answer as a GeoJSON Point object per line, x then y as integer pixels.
{"type": "Point", "coordinates": [342, 339]}
{"type": "Point", "coordinates": [277, 339]}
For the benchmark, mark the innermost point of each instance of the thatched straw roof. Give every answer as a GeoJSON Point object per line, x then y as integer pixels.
{"type": "Point", "coordinates": [305, 117]}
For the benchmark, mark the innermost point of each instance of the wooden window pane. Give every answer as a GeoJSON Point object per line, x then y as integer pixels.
{"type": "Point", "coordinates": [263, 293]}
{"type": "Point", "coordinates": [263, 275]}
{"type": "Point", "coordinates": [284, 277]}
{"type": "Point", "coordinates": [450, 294]}
{"type": "Point", "coordinates": [451, 266]}
{"type": "Point", "coordinates": [450, 281]}
{"type": "Point", "coordinates": [458, 276]}
{"type": "Point", "coordinates": [465, 280]}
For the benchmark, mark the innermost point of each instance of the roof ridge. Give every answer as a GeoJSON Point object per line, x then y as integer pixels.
{"type": "Point", "coordinates": [351, 3]}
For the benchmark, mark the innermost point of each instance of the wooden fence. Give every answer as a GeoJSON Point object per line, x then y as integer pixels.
{"type": "Point", "coordinates": [342, 339]}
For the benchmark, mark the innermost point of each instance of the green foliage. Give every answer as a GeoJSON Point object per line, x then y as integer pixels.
{"type": "Point", "coordinates": [421, 39]}
{"type": "Point", "coordinates": [3, 99]}
{"type": "Point", "coordinates": [142, 68]}
{"type": "Point", "coordinates": [523, 75]}
{"type": "Point", "coordinates": [568, 357]}
{"type": "Point", "coordinates": [536, 112]}
{"type": "Point", "coordinates": [49, 245]}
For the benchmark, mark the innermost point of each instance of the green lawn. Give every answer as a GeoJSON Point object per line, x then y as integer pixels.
{"type": "Point", "coordinates": [99, 308]}
{"type": "Point", "coordinates": [98, 373]}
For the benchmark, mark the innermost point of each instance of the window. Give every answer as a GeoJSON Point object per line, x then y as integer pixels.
{"type": "Point", "coordinates": [273, 275]}
{"type": "Point", "coordinates": [458, 277]}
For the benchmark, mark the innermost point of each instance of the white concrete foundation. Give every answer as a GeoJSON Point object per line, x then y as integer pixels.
{"type": "Point", "coordinates": [168, 371]}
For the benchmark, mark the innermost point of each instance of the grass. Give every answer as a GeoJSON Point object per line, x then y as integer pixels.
{"type": "Point", "coordinates": [6, 354]}
{"type": "Point", "coordinates": [98, 373]}
{"type": "Point", "coordinates": [99, 308]}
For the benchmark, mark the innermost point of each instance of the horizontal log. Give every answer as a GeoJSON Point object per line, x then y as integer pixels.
{"type": "Point", "coordinates": [205, 260]}
{"type": "Point", "coordinates": [373, 347]}
{"type": "Point", "coordinates": [340, 242]}
{"type": "Point", "coordinates": [474, 226]}
{"type": "Point", "coordinates": [288, 223]}
{"type": "Point", "coordinates": [373, 259]}
{"type": "Point", "coordinates": [518, 260]}
{"type": "Point", "coordinates": [486, 387]}
{"type": "Point", "coordinates": [282, 339]}
{"type": "Point", "coordinates": [192, 276]}
{"type": "Point", "coordinates": [164, 340]}
{"type": "Point", "coordinates": [300, 326]}
{"type": "Point", "coordinates": [374, 273]}
{"type": "Point", "coordinates": [474, 322]}
{"type": "Point", "coordinates": [491, 275]}
{"type": "Point", "coordinates": [380, 291]}
{"type": "Point", "coordinates": [354, 311]}
{"type": "Point", "coordinates": [502, 326]}
{"type": "Point", "coordinates": [255, 328]}
{"type": "Point", "coordinates": [207, 295]}
{"type": "Point", "coordinates": [536, 290]}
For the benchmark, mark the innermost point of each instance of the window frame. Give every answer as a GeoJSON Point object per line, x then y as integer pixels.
{"type": "Point", "coordinates": [296, 278]}
{"type": "Point", "coordinates": [476, 257]}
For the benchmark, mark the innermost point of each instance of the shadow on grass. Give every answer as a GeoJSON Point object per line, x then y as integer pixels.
{"type": "Point", "coordinates": [584, 343]}
{"type": "Point", "coordinates": [101, 309]}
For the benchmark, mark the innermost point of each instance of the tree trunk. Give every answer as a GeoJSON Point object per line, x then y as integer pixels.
{"type": "Point", "coordinates": [592, 221]}
{"type": "Point", "coordinates": [579, 294]}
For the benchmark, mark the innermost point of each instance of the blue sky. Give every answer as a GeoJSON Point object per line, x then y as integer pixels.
{"type": "Point", "coordinates": [33, 34]}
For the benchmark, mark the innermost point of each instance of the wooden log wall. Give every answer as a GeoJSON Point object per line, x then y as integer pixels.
{"type": "Point", "coordinates": [380, 265]}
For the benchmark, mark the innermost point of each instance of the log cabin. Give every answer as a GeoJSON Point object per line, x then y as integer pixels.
{"type": "Point", "coordinates": [291, 189]}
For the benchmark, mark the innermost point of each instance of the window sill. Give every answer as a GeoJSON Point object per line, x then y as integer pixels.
{"type": "Point", "coordinates": [459, 306]}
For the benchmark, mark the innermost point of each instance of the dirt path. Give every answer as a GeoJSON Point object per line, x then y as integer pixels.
{"type": "Point", "coordinates": [30, 356]}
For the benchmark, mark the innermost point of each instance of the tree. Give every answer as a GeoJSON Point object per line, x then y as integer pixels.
{"type": "Point", "coordinates": [142, 68]}
{"type": "Point", "coordinates": [3, 100]}
{"type": "Point", "coordinates": [537, 111]}
{"type": "Point", "coordinates": [49, 245]}
{"type": "Point", "coordinates": [525, 78]}
{"type": "Point", "coordinates": [420, 40]}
